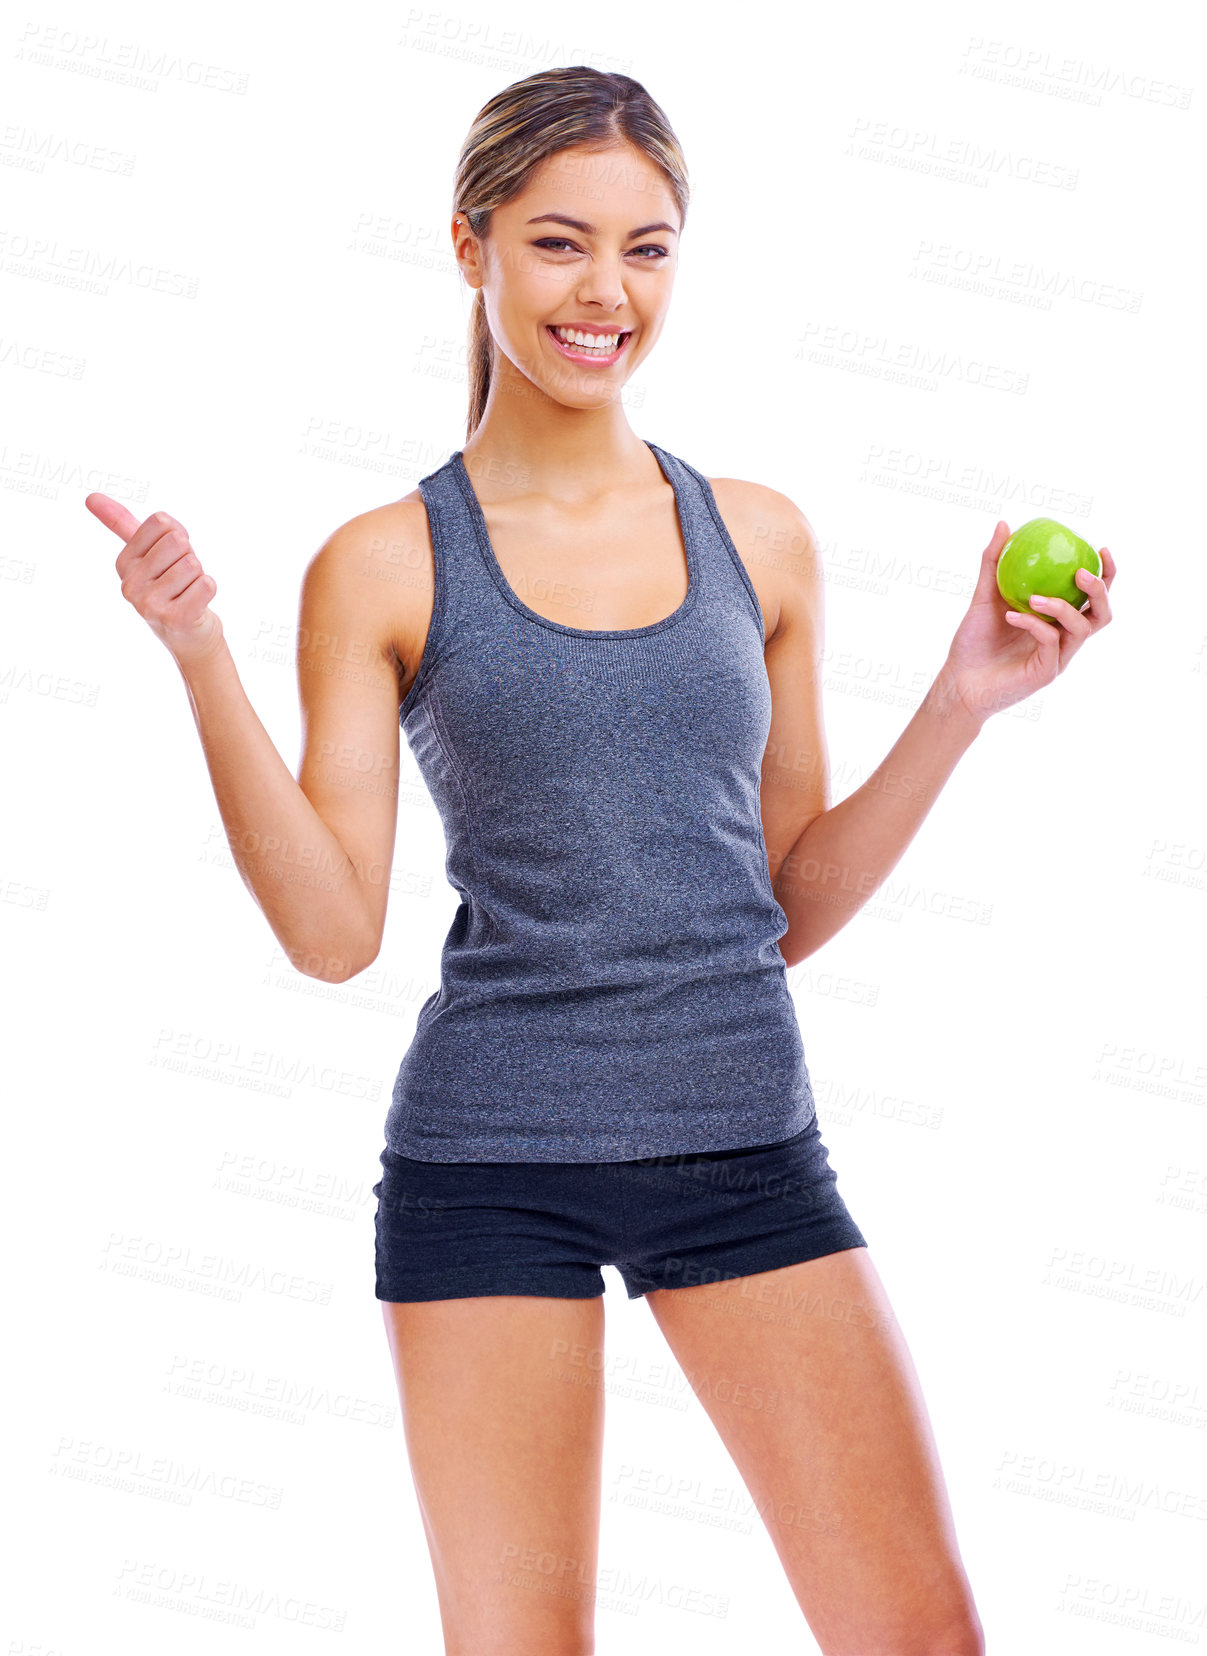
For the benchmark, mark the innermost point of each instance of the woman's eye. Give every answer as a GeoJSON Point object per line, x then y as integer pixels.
{"type": "Point", "coordinates": [556, 243]}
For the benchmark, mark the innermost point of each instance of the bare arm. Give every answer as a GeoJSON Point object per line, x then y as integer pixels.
{"type": "Point", "coordinates": [847, 852]}
{"type": "Point", "coordinates": [314, 852]}
{"type": "Point", "coordinates": [826, 860]}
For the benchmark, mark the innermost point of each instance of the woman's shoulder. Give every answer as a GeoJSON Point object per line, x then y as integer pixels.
{"type": "Point", "coordinates": [776, 543]}
{"type": "Point", "coordinates": [393, 536]}
{"type": "Point", "coordinates": [762, 510]}
{"type": "Point", "coordinates": [374, 576]}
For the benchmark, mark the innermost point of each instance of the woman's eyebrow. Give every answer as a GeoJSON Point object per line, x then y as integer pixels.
{"type": "Point", "coordinates": [590, 229]}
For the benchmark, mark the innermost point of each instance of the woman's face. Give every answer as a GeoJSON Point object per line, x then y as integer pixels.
{"type": "Point", "coordinates": [590, 245]}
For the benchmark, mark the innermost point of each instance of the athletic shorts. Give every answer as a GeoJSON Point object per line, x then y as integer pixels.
{"type": "Point", "coordinates": [458, 1230]}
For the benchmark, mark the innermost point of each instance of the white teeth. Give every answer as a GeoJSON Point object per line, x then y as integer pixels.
{"type": "Point", "coordinates": [604, 344]}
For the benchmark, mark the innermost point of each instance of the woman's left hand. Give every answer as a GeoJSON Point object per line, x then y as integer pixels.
{"type": "Point", "coordinates": [1000, 655]}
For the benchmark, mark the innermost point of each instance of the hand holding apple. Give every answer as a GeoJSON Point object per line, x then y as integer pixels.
{"type": "Point", "coordinates": [1044, 557]}
{"type": "Point", "coordinates": [990, 664]}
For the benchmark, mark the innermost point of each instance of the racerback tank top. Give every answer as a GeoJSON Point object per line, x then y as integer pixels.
{"type": "Point", "coordinates": [611, 986]}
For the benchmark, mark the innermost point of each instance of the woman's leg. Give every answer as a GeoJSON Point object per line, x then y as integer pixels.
{"type": "Point", "coordinates": [808, 1379]}
{"type": "Point", "coordinates": [503, 1418]}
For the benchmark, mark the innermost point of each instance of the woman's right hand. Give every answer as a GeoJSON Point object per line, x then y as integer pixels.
{"type": "Point", "coordinates": [163, 578]}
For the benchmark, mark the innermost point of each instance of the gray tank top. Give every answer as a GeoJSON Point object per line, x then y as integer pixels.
{"type": "Point", "coordinates": [611, 986]}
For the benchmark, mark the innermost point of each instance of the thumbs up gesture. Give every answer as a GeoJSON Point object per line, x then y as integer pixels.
{"type": "Point", "coordinates": [162, 577]}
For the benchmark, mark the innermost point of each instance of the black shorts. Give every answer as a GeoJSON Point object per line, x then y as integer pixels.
{"type": "Point", "coordinates": [457, 1230]}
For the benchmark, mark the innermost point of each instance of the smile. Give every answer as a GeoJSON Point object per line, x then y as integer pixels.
{"type": "Point", "coordinates": [574, 343]}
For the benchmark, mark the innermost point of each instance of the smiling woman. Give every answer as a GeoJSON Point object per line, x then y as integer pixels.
{"type": "Point", "coordinates": [640, 834]}
{"type": "Point", "coordinates": [532, 159]}
{"type": "Point", "coordinates": [613, 1026]}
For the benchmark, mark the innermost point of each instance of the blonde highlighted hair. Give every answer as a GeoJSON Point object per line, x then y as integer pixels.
{"type": "Point", "coordinates": [522, 126]}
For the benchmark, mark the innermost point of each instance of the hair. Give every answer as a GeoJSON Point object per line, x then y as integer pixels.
{"type": "Point", "coordinates": [521, 127]}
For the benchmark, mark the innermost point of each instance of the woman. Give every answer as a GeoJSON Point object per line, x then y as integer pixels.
{"type": "Point", "coordinates": [615, 700]}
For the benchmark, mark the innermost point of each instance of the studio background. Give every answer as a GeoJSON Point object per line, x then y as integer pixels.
{"type": "Point", "coordinates": [940, 267]}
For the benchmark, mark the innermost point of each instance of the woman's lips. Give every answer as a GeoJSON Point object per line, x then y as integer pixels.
{"type": "Point", "coordinates": [591, 359]}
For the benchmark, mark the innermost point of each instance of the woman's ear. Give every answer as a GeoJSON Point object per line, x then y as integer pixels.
{"type": "Point", "coordinates": [467, 251]}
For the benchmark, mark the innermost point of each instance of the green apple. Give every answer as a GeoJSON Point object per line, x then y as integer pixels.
{"type": "Point", "coordinates": [1042, 557]}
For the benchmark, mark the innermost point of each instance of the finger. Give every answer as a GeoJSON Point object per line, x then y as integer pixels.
{"type": "Point", "coordinates": [157, 542]}
{"type": "Point", "coordinates": [172, 548]}
{"type": "Point", "coordinates": [1062, 613]}
{"type": "Point", "coordinates": [112, 514]}
{"type": "Point", "coordinates": [185, 580]}
{"type": "Point", "coordinates": [1045, 663]}
{"type": "Point", "coordinates": [1094, 586]}
{"type": "Point", "coordinates": [1044, 633]}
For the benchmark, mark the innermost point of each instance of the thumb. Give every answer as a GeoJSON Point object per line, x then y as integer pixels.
{"type": "Point", "coordinates": [986, 586]}
{"type": "Point", "coordinates": [112, 514]}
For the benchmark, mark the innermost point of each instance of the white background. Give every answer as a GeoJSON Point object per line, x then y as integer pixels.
{"type": "Point", "coordinates": [920, 289]}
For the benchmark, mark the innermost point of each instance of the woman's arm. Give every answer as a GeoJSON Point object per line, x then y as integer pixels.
{"type": "Point", "coordinates": [847, 852]}
{"type": "Point", "coordinates": [826, 860]}
{"type": "Point", "coordinates": [315, 852]}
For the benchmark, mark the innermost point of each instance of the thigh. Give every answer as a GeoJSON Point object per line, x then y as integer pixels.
{"type": "Point", "coordinates": [808, 1379]}
{"type": "Point", "coordinates": [503, 1412]}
